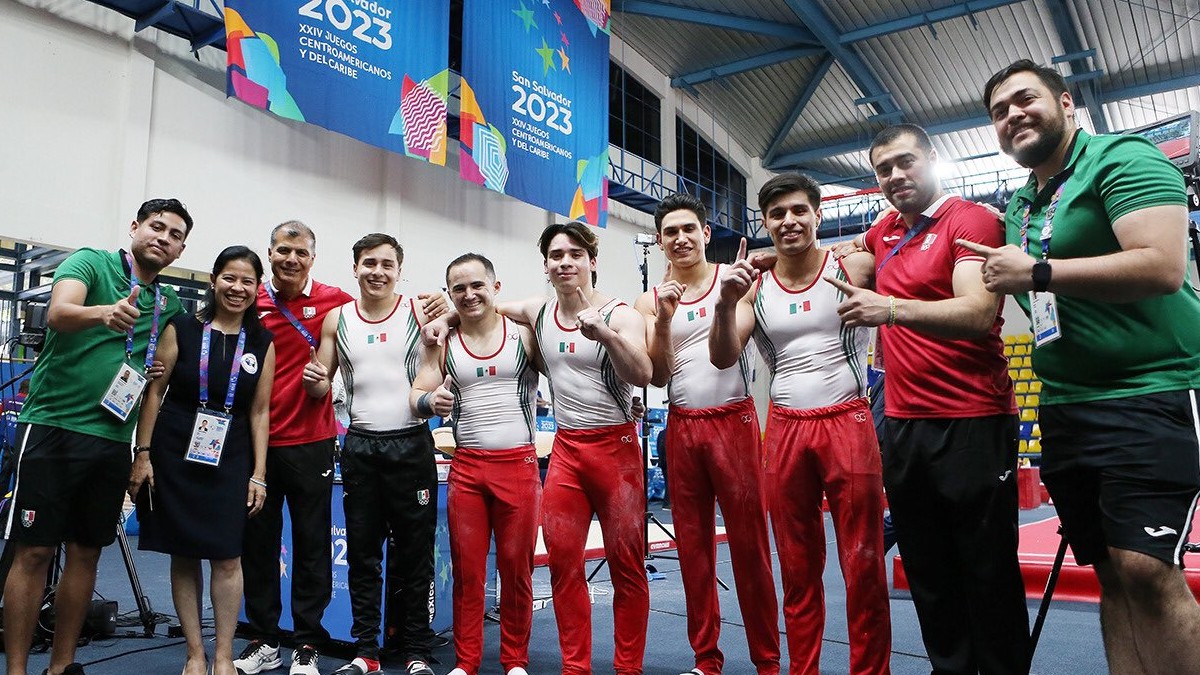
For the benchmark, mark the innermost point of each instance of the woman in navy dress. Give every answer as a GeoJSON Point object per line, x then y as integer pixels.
{"type": "Point", "coordinates": [196, 510]}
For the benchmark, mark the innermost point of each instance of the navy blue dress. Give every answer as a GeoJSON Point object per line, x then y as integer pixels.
{"type": "Point", "coordinates": [199, 510]}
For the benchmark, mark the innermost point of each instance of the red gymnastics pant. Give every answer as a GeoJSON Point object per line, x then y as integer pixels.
{"type": "Point", "coordinates": [500, 491]}
{"type": "Point", "coordinates": [714, 454]}
{"type": "Point", "coordinates": [597, 471]}
{"type": "Point", "coordinates": [832, 450]}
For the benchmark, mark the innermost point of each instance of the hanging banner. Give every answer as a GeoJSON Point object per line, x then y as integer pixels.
{"type": "Point", "coordinates": [534, 120]}
{"type": "Point", "coordinates": [375, 70]}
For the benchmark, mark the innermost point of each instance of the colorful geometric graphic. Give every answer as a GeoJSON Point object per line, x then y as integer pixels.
{"type": "Point", "coordinates": [254, 73]}
{"type": "Point", "coordinates": [421, 118]}
{"type": "Point", "coordinates": [483, 160]}
{"type": "Point", "coordinates": [592, 192]}
{"type": "Point", "coordinates": [598, 14]}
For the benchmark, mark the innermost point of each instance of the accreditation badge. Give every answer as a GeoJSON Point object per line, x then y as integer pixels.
{"type": "Point", "coordinates": [1043, 312]}
{"type": "Point", "coordinates": [208, 437]}
{"type": "Point", "coordinates": [124, 392]}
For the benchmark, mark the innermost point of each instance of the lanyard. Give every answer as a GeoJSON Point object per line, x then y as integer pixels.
{"type": "Point", "coordinates": [152, 343]}
{"type": "Point", "coordinates": [1047, 225]}
{"type": "Point", "coordinates": [923, 223]}
{"type": "Point", "coordinates": [287, 314]}
{"type": "Point", "coordinates": [234, 371]}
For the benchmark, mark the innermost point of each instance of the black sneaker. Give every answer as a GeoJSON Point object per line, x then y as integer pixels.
{"type": "Point", "coordinates": [417, 667]}
{"type": "Point", "coordinates": [73, 669]}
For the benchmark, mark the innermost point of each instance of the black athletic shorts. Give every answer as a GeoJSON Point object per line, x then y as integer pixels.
{"type": "Point", "coordinates": [1124, 473]}
{"type": "Point", "coordinates": [70, 487]}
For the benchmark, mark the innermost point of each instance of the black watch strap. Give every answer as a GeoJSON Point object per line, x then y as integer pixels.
{"type": "Point", "coordinates": [1041, 276]}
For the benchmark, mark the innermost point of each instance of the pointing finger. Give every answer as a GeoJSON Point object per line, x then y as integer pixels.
{"type": "Point", "coordinates": [841, 285]}
{"type": "Point", "coordinates": [583, 296]}
{"type": "Point", "coordinates": [976, 248]}
{"type": "Point", "coordinates": [741, 255]}
{"type": "Point", "coordinates": [667, 274]}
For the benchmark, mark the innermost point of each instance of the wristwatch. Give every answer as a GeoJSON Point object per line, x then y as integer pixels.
{"type": "Point", "coordinates": [1041, 276]}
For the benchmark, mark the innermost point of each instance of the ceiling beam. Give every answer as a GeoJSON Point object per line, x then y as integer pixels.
{"type": "Point", "coordinates": [1088, 89]}
{"type": "Point", "coordinates": [742, 65]}
{"type": "Point", "coordinates": [806, 93]}
{"type": "Point", "coordinates": [860, 73]}
{"type": "Point", "coordinates": [814, 154]}
{"type": "Point", "coordinates": [923, 19]}
{"type": "Point", "coordinates": [712, 19]}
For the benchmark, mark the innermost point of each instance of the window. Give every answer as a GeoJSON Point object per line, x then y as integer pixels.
{"type": "Point", "coordinates": [634, 115]}
{"type": "Point", "coordinates": [710, 177]}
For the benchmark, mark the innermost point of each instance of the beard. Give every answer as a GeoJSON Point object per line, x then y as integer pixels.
{"type": "Point", "coordinates": [1050, 135]}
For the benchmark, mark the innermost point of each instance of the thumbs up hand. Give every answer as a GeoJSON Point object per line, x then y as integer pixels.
{"type": "Point", "coordinates": [124, 313]}
{"type": "Point", "coordinates": [861, 307]}
{"type": "Point", "coordinates": [315, 372]}
{"type": "Point", "coordinates": [442, 400]}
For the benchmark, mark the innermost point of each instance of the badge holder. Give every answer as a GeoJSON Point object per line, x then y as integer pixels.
{"type": "Point", "coordinates": [124, 392]}
{"type": "Point", "coordinates": [208, 437]}
{"type": "Point", "coordinates": [1043, 312]}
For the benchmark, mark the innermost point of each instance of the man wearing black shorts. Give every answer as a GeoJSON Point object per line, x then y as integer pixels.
{"type": "Point", "coordinates": [106, 311]}
{"type": "Point", "coordinates": [1096, 255]}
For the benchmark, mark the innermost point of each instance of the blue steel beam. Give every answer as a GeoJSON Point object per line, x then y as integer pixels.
{"type": "Point", "coordinates": [150, 18]}
{"type": "Point", "coordinates": [922, 19]}
{"type": "Point", "coordinates": [743, 65]}
{"type": "Point", "coordinates": [810, 88]}
{"type": "Point", "coordinates": [1089, 90]}
{"type": "Point", "coordinates": [860, 73]}
{"type": "Point", "coordinates": [704, 17]}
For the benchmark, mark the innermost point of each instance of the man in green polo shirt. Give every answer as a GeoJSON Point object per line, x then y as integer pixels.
{"type": "Point", "coordinates": [106, 311]}
{"type": "Point", "coordinates": [1096, 256]}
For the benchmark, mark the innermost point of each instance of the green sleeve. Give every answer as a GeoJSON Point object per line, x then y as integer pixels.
{"type": "Point", "coordinates": [84, 265]}
{"type": "Point", "coordinates": [1134, 174]}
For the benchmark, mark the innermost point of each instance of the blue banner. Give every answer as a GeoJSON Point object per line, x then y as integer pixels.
{"type": "Point", "coordinates": [375, 70]}
{"type": "Point", "coordinates": [534, 120]}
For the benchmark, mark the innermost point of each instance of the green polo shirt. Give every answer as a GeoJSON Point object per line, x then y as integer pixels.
{"type": "Point", "coordinates": [74, 370]}
{"type": "Point", "coordinates": [1109, 350]}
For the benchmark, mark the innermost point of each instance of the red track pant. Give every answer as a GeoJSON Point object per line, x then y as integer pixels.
{"type": "Point", "coordinates": [832, 450]}
{"type": "Point", "coordinates": [597, 471]}
{"type": "Point", "coordinates": [500, 491]}
{"type": "Point", "coordinates": [714, 454]}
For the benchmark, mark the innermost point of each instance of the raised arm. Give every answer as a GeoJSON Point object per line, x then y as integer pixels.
{"type": "Point", "coordinates": [733, 320]}
{"type": "Point", "coordinates": [68, 313]}
{"type": "Point", "coordinates": [322, 360]}
{"type": "Point", "coordinates": [657, 308]}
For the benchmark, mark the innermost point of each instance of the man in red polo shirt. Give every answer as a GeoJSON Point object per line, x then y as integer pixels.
{"type": "Point", "coordinates": [950, 439]}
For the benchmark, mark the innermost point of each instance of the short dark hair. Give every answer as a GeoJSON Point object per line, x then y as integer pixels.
{"type": "Point", "coordinates": [1050, 77]}
{"type": "Point", "coordinates": [891, 133]}
{"type": "Point", "coordinates": [786, 184]}
{"type": "Point", "coordinates": [208, 306]}
{"type": "Point", "coordinates": [465, 258]}
{"type": "Point", "coordinates": [153, 206]}
{"type": "Point", "coordinates": [679, 202]}
{"type": "Point", "coordinates": [294, 228]}
{"type": "Point", "coordinates": [374, 239]}
{"type": "Point", "coordinates": [580, 233]}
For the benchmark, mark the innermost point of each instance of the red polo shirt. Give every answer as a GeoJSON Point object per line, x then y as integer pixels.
{"type": "Point", "coordinates": [928, 376]}
{"type": "Point", "coordinates": [296, 417]}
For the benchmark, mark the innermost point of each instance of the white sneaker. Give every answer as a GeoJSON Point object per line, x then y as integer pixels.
{"type": "Point", "coordinates": [257, 657]}
{"type": "Point", "coordinates": [304, 661]}
{"type": "Point", "coordinates": [457, 671]}
{"type": "Point", "coordinates": [417, 667]}
{"type": "Point", "coordinates": [693, 671]}
{"type": "Point", "coordinates": [517, 671]}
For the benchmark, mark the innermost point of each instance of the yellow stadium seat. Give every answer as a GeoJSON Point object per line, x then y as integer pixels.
{"type": "Point", "coordinates": [1020, 387]}
{"type": "Point", "coordinates": [1008, 350]}
{"type": "Point", "coordinates": [1032, 401]}
{"type": "Point", "coordinates": [1026, 374]}
{"type": "Point", "coordinates": [1036, 432]}
{"type": "Point", "coordinates": [1014, 373]}
{"type": "Point", "coordinates": [1010, 339]}
{"type": "Point", "coordinates": [1024, 446]}
{"type": "Point", "coordinates": [1035, 387]}
{"type": "Point", "coordinates": [1025, 339]}
{"type": "Point", "coordinates": [1023, 349]}
{"type": "Point", "coordinates": [1020, 401]}
{"type": "Point", "coordinates": [1028, 415]}
{"type": "Point", "coordinates": [1035, 445]}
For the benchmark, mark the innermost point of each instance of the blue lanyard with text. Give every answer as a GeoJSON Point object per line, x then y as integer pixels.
{"type": "Point", "coordinates": [234, 370]}
{"type": "Point", "coordinates": [1047, 224]}
{"type": "Point", "coordinates": [287, 314]}
{"type": "Point", "coordinates": [152, 343]}
{"type": "Point", "coordinates": [923, 223]}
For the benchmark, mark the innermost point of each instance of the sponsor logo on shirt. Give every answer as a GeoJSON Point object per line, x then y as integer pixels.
{"type": "Point", "coordinates": [310, 312]}
{"type": "Point", "coordinates": [929, 239]}
{"type": "Point", "coordinates": [250, 363]}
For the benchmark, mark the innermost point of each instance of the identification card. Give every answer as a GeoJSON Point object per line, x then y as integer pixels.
{"type": "Point", "coordinates": [208, 437]}
{"type": "Point", "coordinates": [124, 392]}
{"type": "Point", "coordinates": [1044, 314]}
